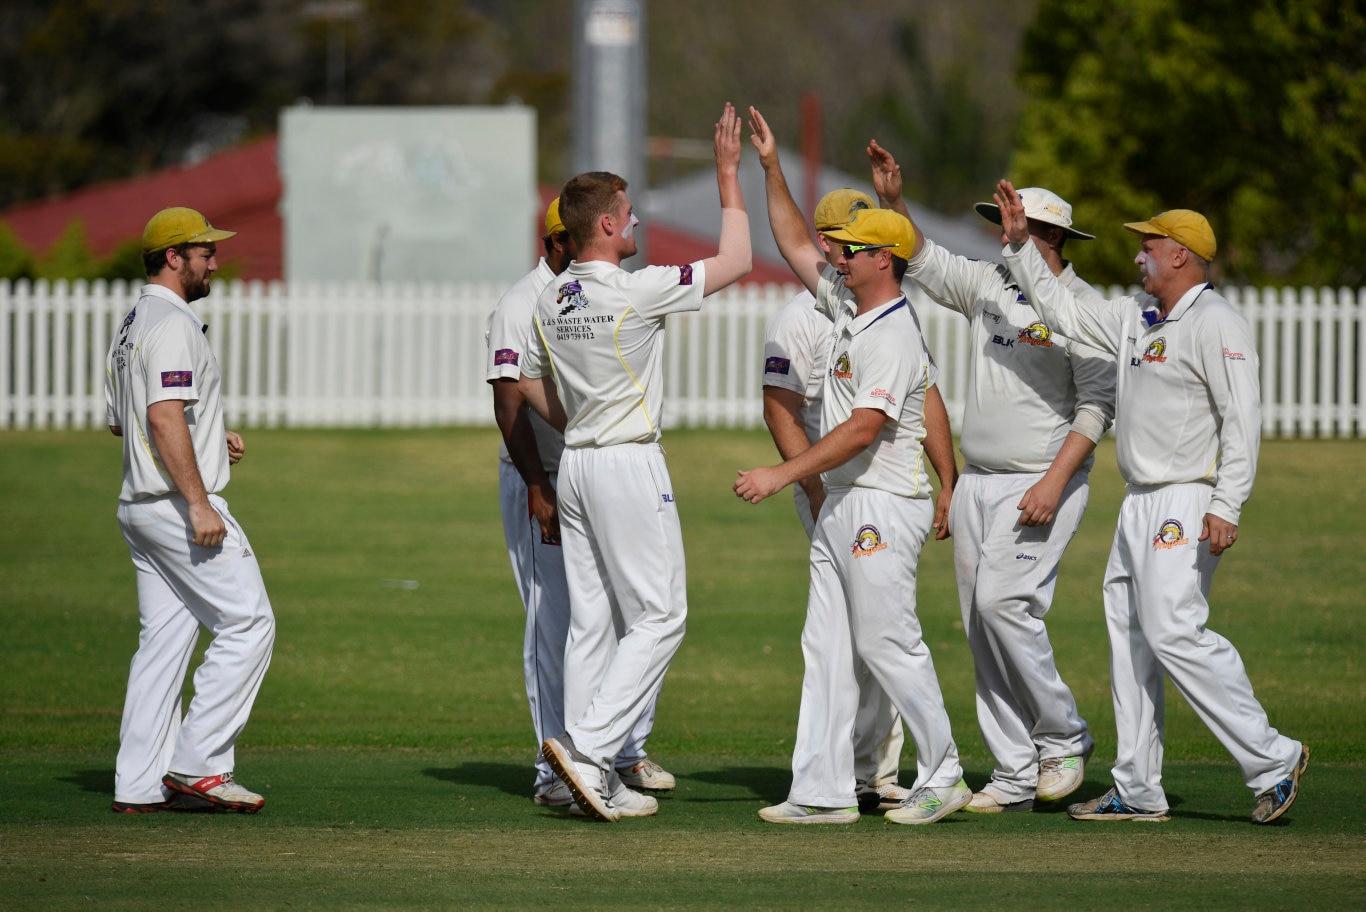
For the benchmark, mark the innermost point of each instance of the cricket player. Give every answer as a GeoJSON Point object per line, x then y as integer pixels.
{"type": "Point", "coordinates": [601, 335]}
{"type": "Point", "coordinates": [1188, 427]}
{"type": "Point", "coordinates": [877, 515]}
{"type": "Point", "coordinates": [194, 564]}
{"type": "Point", "coordinates": [1037, 404]}
{"type": "Point", "coordinates": [529, 458]}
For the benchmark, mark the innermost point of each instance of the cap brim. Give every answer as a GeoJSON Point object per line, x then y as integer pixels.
{"type": "Point", "coordinates": [992, 213]}
{"type": "Point", "coordinates": [211, 236]}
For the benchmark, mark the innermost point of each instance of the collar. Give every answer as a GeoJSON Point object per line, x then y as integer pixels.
{"type": "Point", "coordinates": [867, 319]}
{"type": "Point", "coordinates": [1183, 304]}
{"type": "Point", "coordinates": [161, 291]}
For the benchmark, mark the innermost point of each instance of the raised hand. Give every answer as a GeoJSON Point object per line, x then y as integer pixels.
{"type": "Point", "coordinates": [762, 137]}
{"type": "Point", "coordinates": [886, 173]}
{"type": "Point", "coordinates": [1014, 224]}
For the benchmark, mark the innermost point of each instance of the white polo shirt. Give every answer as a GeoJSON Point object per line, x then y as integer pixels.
{"type": "Point", "coordinates": [795, 343]}
{"type": "Point", "coordinates": [876, 360]}
{"type": "Point", "coordinates": [601, 331]}
{"type": "Point", "coordinates": [510, 336]}
{"type": "Point", "coordinates": [1188, 401]}
{"type": "Point", "coordinates": [160, 353]}
{"type": "Point", "coordinates": [1028, 384]}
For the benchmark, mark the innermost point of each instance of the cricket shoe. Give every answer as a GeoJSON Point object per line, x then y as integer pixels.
{"type": "Point", "coordinates": [628, 802]}
{"type": "Point", "coordinates": [928, 804]}
{"type": "Point", "coordinates": [585, 779]}
{"type": "Point", "coordinates": [1112, 807]}
{"type": "Point", "coordinates": [990, 801]}
{"type": "Point", "coordinates": [176, 804]}
{"type": "Point", "coordinates": [556, 795]}
{"type": "Point", "coordinates": [647, 774]}
{"type": "Point", "coordinates": [218, 790]}
{"type": "Point", "coordinates": [1276, 800]}
{"type": "Point", "coordinates": [879, 797]}
{"type": "Point", "coordinates": [1060, 777]}
{"type": "Point", "coordinates": [787, 812]}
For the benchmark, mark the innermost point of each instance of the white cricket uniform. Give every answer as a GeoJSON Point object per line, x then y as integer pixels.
{"type": "Point", "coordinates": [1027, 388]}
{"type": "Point", "coordinates": [601, 332]}
{"type": "Point", "coordinates": [159, 354]}
{"type": "Point", "coordinates": [795, 344]}
{"type": "Point", "coordinates": [1188, 428]}
{"type": "Point", "coordinates": [537, 566]}
{"type": "Point", "coordinates": [877, 516]}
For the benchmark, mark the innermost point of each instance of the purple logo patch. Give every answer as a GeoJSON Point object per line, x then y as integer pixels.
{"type": "Point", "coordinates": [176, 378]}
{"type": "Point", "coordinates": [777, 366]}
{"type": "Point", "coordinates": [685, 275]}
{"type": "Point", "coordinates": [505, 356]}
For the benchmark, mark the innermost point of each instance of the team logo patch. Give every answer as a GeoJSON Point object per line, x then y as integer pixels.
{"type": "Point", "coordinates": [573, 293]}
{"type": "Point", "coordinates": [1156, 351]}
{"type": "Point", "coordinates": [868, 541]}
{"type": "Point", "coordinates": [505, 356]}
{"type": "Point", "coordinates": [176, 378]}
{"type": "Point", "coordinates": [842, 368]}
{"type": "Point", "coordinates": [777, 366]}
{"type": "Point", "coordinates": [685, 275]}
{"type": "Point", "coordinates": [1037, 333]}
{"type": "Point", "coordinates": [1170, 535]}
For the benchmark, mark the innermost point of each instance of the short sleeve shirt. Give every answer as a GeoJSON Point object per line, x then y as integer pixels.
{"type": "Point", "coordinates": [795, 349]}
{"type": "Point", "coordinates": [160, 353]}
{"type": "Point", "coordinates": [511, 335]}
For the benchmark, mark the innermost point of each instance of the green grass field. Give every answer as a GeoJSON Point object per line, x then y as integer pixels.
{"type": "Point", "coordinates": [393, 743]}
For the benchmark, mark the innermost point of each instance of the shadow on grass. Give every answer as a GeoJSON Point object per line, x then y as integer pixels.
{"type": "Point", "coordinates": [510, 778]}
{"type": "Point", "coordinates": [769, 783]}
{"type": "Point", "coordinates": [91, 780]}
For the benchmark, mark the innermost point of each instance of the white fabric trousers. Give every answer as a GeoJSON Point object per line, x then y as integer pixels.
{"type": "Point", "coordinates": [538, 569]}
{"type": "Point", "coordinates": [182, 586]}
{"type": "Point", "coordinates": [624, 565]}
{"type": "Point", "coordinates": [878, 735]}
{"type": "Point", "coordinates": [862, 609]}
{"type": "Point", "coordinates": [1006, 577]}
{"type": "Point", "coordinates": [1156, 605]}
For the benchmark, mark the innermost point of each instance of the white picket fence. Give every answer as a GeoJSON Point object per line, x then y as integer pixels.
{"type": "Point", "coordinates": [413, 355]}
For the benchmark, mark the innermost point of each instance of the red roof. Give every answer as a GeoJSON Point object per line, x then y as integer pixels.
{"type": "Point", "coordinates": [239, 190]}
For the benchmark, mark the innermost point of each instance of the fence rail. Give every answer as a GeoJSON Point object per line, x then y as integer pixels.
{"type": "Point", "coordinates": [357, 355]}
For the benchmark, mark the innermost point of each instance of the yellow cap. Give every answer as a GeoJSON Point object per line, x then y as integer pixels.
{"type": "Point", "coordinates": [835, 207]}
{"type": "Point", "coordinates": [178, 225]}
{"type": "Point", "coordinates": [1188, 228]}
{"type": "Point", "coordinates": [877, 228]}
{"type": "Point", "coordinates": [553, 224]}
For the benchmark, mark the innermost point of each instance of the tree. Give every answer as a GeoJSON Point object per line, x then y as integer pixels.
{"type": "Point", "coordinates": [1252, 112]}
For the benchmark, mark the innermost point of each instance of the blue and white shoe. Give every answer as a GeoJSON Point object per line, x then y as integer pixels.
{"type": "Point", "coordinates": [1112, 807]}
{"type": "Point", "coordinates": [1276, 800]}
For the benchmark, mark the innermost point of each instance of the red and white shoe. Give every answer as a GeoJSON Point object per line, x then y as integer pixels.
{"type": "Point", "coordinates": [220, 790]}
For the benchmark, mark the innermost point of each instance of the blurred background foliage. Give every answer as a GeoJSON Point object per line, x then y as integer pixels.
{"type": "Point", "coordinates": [1253, 112]}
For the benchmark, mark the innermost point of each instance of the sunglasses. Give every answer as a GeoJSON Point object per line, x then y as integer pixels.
{"type": "Point", "coordinates": [851, 249]}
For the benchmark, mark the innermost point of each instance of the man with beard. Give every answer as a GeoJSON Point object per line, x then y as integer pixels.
{"type": "Point", "coordinates": [194, 563]}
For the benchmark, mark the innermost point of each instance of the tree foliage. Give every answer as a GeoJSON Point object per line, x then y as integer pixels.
{"type": "Point", "coordinates": [1252, 112]}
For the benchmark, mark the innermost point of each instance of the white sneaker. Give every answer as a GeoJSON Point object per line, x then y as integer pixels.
{"type": "Point", "coordinates": [220, 790]}
{"type": "Point", "coordinates": [557, 795]}
{"type": "Point", "coordinates": [1060, 777]}
{"type": "Point", "coordinates": [584, 778]}
{"type": "Point", "coordinates": [787, 812]}
{"type": "Point", "coordinates": [930, 804]}
{"type": "Point", "coordinates": [990, 801]}
{"type": "Point", "coordinates": [647, 774]}
{"type": "Point", "coordinates": [628, 803]}
{"type": "Point", "coordinates": [879, 797]}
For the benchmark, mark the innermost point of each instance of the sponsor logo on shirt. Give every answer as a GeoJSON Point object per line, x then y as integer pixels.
{"type": "Point", "coordinates": [668, 498]}
{"type": "Point", "coordinates": [881, 393]}
{"type": "Point", "coordinates": [842, 369]}
{"type": "Point", "coordinates": [1037, 333]}
{"type": "Point", "coordinates": [1026, 557]}
{"type": "Point", "coordinates": [1234, 356]}
{"type": "Point", "coordinates": [1170, 536]}
{"type": "Point", "coordinates": [685, 275]}
{"type": "Point", "coordinates": [868, 541]}
{"type": "Point", "coordinates": [777, 365]}
{"type": "Point", "coordinates": [1002, 340]}
{"type": "Point", "coordinates": [505, 356]}
{"type": "Point", "coordinates": [176, 378]}
{"type": "Point", "coordinates": [996, 318]}
{"type": "Point", "coordinates": [573, 293]}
